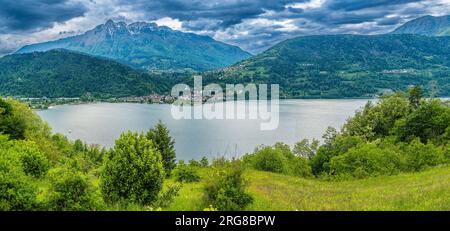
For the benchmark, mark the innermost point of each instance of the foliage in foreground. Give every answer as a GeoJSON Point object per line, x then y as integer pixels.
{"type": "Point", "coordinates": [165, 145]}
{"type": "Point", "coordinates": [133, 171]}
{"type": "Point", "coordinates": [39, 171]}
{"type": "Point", "coordinates": [225, 190]}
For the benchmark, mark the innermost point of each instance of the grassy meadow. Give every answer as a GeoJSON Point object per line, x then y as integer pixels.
{"type": "Point", "coordinates": [428, 190]}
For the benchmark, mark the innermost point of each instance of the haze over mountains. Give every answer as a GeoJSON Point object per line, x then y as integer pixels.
{"type": "Point", "coordinates": [149, 46]}
{"type": "Point", "coordinates": [323, 66]}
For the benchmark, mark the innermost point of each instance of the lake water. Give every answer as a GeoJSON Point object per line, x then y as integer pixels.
{"type": "Point", "coordinates": [102, 123]}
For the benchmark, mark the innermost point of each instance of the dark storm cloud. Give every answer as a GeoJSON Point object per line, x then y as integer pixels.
{"type": "Point", "coordinates": [223, 13]}
{"type": "Point", "coordinates": [253, 25]}
{"type": "Point", "coordinates": [28, 15]}
{"type": "Point", "coordinates": [352, 5]}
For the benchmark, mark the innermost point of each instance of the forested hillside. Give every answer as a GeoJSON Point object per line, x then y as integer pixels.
{"type": "Point", "coordinates": [337, 66]}
{"type": "Point", "coordinates": [62, 73]}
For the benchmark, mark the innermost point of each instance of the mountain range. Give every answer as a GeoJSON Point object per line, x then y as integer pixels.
{"type": "Point", "coordinates": [322, 66]}
{"type": "Point", "coordinates": [148, 46]}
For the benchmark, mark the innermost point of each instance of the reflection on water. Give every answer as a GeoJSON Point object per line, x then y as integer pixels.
{"type": "Point", "coordinates": [102, 123]}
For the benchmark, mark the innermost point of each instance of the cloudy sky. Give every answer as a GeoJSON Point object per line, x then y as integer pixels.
{"type": "Point", "coordinates": [254, 25]}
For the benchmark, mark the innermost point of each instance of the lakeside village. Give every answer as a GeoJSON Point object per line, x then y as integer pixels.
{"type": "Point", "coordinates": [45, 103]}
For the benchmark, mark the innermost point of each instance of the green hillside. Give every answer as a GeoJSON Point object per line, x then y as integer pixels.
{"type": "Point", "coordinates": [62, 73]}
{"type": "Point", "coordinates": [427, 191]}
{"type": "Point", "coordinates": [336, 66]}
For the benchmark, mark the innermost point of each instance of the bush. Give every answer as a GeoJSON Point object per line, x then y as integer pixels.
{"type": "Point", "coordinates": [366, 160]}
{"type": "Point", "coordinates": [420, 156]}
{"type": "Point", "coordinates": [205, 163]}
{"type": "Point", "coordinates": [220, 162]}
{"type": "Point", "coordinates": [133, 171]}
{"type": "Point", "coordinates": [337, 145]}
{"type": "Point", "coordinates": [34, 163]}
{"type": "Point", "coordinates": [225, 189]}
{"type": "Point", "coordinates": [278, 159]}
{"type": "Point", "coordinates": [167, 195]}
{"type": "Point", "coordinates": [71, 191]}
{"type": "Point", "coordinates": [299, 166]}
{"type": "Point", "coordinates": [16, 190]}
{"type": "Point", "coordinates": [268, 159]}
{"type": "Point", "coordinates": [185, 173]}
{"type": "Point", "coordinates": [194, 163]}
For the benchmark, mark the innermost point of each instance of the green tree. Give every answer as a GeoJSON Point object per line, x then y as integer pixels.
{"type": "Point", "coordinates": [165, 144]}
{"type": "Point", "coordinates": [305, 149]}
{"type": "Point", "coordinates": [428, 121]}
{"type": "Point", "coordinates": [133, 170]}
{"type": "Point", "coordinates": [19, 122]}
{"type": "Point", "coordinates": [415, 95]}
{"type": "Point", "coordinates": [204, 162]}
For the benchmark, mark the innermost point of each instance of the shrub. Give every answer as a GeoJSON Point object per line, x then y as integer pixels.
{"type": "Point", "coordinates": [133, 171]}
{"type": "Point", "coordinates": [337, 145]}
{"type": "Point", "coordinates": [167, 195]}
{"type": "Point", "coordinates": [225, 189]}
{"type": "Point", "coordinates": [420, 156]}
{"type": "Point", "coordinates": [268, 159]}
{"type": "Point", "coordinates": [186, 173]}
{"type": "Point", "coordinates": [34, 163]}
{"type": "Point", "coordinates": [220, 162]}
{"type": "Point", "coordinates": [366, 160]}
{"type": "Point", "coordinates": [194, 163]}
{"type": "Point", "coordinates": [71, 191]}
{"type": "Point", "coordinates": [204, 162]}
{"type": "Point", "coordinates": [299, 166]}
{"type": "Point", "coordinates": [16, 190]}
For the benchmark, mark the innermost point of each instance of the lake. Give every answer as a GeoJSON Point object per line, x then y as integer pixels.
{"type": "Point", "coordinates": [102, 123]}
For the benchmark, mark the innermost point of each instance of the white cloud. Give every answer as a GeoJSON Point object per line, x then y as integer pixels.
{"type": "Point", "coordinates": [312, 4]}
{"type": "Point", "coordinates": [175, 24]}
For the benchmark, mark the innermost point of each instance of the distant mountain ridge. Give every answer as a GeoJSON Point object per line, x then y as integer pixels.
{"type": "Point", "coordinates": [148, 46]}
{"type": "Point", "coordinates": [427, 25]}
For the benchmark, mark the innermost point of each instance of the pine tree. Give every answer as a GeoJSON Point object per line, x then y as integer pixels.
{"type": "Point", "coordinates": [165, 144]}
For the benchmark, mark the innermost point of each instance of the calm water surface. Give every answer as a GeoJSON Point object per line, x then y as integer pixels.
{"type": "Point", "coordinates": [102, 123]}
